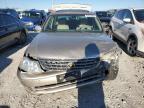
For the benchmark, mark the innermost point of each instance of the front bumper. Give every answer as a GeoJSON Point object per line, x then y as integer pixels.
{"type": "Point", "coordinates": [51, 82]}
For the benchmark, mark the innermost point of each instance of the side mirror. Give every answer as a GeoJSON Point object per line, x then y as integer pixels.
{"type": "Point", "coordinates": [127, 20]}
{"type": "Point", "coordinates": [38, 28]}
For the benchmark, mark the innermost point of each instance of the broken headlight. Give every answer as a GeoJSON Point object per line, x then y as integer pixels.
{"type": "Point", "coordinates": [111, 58]}
{"type": "Point", "coordinates": [30, 65]}
{"type": "Point", "coordinates": [111, 55]}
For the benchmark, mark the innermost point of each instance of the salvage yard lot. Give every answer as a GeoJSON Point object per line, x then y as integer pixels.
{"type": "Point", "coordinates": [124, 92]}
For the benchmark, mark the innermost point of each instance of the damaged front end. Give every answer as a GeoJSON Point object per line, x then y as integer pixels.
{"type": "Point", "coordinates": [111, 63]}
{"type": "Point", "coordinates": [61, 74]}
{"type": "Point", "coordinates": [64, 74]}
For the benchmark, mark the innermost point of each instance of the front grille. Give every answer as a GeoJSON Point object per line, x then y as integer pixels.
{"type": "Point", "coordinates": [68, 64]}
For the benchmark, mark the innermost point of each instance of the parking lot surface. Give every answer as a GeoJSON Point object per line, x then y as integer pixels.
{"type": "Point", "coordinates": [124, 92]}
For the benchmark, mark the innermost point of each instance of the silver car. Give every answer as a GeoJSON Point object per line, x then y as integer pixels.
{"type": "Point", "coordinates": [71, 51]}
{"type": "Point", "coordinates": [127, 25]}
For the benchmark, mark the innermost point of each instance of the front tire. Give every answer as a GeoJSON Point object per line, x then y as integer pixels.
{"type": "Point", "coordinates": [22, 38]}
{"type": "Point", "coordinates": [132, 46]}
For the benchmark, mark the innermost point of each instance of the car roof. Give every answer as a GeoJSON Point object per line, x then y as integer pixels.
{"type": "Point", "coordinates": [1, 13]}
{"type": "Point", "coordinates": [6, 9]}
{"type": "Point", "coordinates": [100, 11]}
{"type": "Point", "coordinates": [67, 12]}
{"type": "Point", "coordinates": [130, 9]}
{"type": "Point", "coordinates": [138, 8]}
{"type": "Point", "coordinates": [33, 10]}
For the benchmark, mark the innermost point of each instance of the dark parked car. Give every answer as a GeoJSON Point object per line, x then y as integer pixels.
{"type": "Point", "coordinates": [11, 31]}
{"type": "Point", "coordinates": [33, 17]}
{"type": "Point", "coordinates": [104, 16]}
{"type": "Point", "coordinates": [71, 51]}
{"type": "Point", "coordinates": [10, 12]}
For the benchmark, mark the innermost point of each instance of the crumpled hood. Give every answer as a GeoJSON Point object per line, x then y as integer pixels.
{"type": "Point", "coordinates": [28, 19]}
{"type": "Point", "coordinates": [70, 45]}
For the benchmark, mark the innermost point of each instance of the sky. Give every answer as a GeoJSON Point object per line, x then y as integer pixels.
{"type": "Point", "coordinates": [96, 4]}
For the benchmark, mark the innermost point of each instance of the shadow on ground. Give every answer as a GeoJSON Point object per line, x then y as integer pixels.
{"type": "Point", "coordinates": [4, 106]}
{"type": "Point", "coordinates": [91, 96]}
{"type": "Point", "coordinates": [121, 45]}
{"type": "Point", "coordinates": [6, 52]}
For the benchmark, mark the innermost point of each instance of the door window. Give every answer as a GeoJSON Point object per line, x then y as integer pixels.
{"type": "Point", "coordinates": [8, 20]}
{"type": "Point", "coordinates": [50, 23]}
{"type": "Point", "coordinates": [120, 14]}
{"type": "Point", "coordinates": [128, 14]}
{"type": "Point", "coordinates": [1, 21]}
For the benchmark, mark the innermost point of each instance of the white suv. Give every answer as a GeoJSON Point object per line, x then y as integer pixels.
{"type": "Point", "coordinates": [127, 25]}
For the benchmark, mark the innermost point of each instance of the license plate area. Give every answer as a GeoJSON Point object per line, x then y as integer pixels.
{"type": "Point", "coordinates": [69, 76]}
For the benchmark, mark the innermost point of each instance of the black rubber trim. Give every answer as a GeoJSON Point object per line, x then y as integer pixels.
{"type": "Point", "coordinates": [140, 53]}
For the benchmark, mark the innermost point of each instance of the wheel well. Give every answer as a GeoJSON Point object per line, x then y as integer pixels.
{"type": "Point", "coordinates": [24, 32]}
{"type": "Point", "coordinates": [132, 36]}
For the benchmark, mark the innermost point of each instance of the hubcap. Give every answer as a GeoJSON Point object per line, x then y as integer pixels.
{"type": "Point", "coordinates": [132, 47]}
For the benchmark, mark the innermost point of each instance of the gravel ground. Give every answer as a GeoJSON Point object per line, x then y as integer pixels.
{"type": "Point", "coordinates": [127, 91]}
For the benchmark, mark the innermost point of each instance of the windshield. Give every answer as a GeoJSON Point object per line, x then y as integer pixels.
{"type": "Point", "coordinates": [31, 14]}
{"type": "Point", "coordinates": [72, 23]}
{"type": "Point", "coordinates": [139, 14]}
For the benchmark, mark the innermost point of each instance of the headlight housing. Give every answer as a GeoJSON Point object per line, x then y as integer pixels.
{"type": "Point", "coordinates": [28, 23]}
{"type": "Point", "coordinates": [112, 55]}
{"type": "Point", "coordinates": [30, 66]}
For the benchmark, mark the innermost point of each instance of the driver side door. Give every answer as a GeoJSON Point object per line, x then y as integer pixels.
{"type": "Point", "coordinates": [127, 27]}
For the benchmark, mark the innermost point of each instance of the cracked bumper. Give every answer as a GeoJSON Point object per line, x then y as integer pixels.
{"type": "Point", "coordinates": [51, 83]}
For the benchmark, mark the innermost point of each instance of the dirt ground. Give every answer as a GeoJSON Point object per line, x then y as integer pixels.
{"type": "Point", "coordinates": [127, 91]}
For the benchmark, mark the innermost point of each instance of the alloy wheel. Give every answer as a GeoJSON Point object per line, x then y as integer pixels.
{"type": "Point", "coordinates": [132, 46]}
